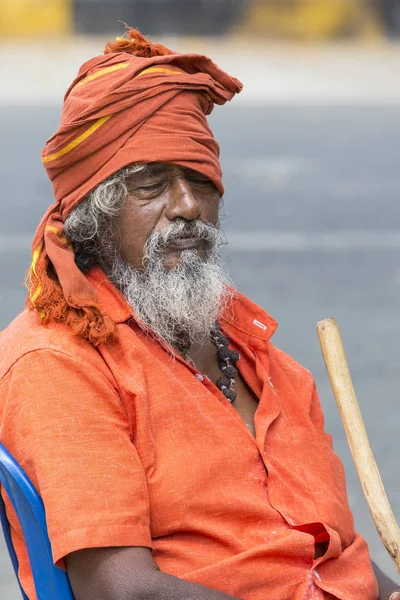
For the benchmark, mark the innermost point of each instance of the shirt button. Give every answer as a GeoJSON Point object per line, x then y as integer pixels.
{"type": "Point", "coordinates": [199, 377]}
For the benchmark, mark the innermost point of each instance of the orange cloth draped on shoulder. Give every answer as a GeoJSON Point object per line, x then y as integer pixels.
{"type": "Point", "coordinates": [137, 103]}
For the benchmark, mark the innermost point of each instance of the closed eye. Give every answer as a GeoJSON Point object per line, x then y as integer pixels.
{"type": "Point", "coordinates": [153, 187]}
{"type": "Point", "coordinates": [206, 182]}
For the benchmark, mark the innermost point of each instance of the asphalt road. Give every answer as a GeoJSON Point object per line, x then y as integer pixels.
{"type": "Point", "coordinates": [312, 212]}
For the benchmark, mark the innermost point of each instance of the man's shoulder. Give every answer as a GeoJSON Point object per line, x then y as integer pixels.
{"type": "Point", "coordinates": [260, 324]}
{"type": "Point", "coordinates": [26, 334]}
{"type": "Point", "coordinates": [290, 364]}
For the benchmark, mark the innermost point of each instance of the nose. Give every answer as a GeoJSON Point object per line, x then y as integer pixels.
{"type": "Point", "coordinates": [182, 202]}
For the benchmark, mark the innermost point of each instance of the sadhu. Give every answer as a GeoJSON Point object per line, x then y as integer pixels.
{"type": "Point", "coordinates": [178, 452]}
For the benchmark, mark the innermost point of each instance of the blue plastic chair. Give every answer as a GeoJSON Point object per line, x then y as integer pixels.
{"type": "Point", "coordinates": [51, 583]}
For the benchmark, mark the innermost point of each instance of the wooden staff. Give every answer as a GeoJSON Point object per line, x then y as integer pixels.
{"type": "Point", "coordinates": [371, 482]}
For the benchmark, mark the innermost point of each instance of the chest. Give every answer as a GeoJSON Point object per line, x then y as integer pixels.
{"type": "Point", "coordinates": [198, 451]}
{"type": "Point", "coordinates": [246, 401]}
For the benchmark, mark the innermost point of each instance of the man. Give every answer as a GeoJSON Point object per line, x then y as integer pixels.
{"type": "Point", "coordinates": [178, 453]}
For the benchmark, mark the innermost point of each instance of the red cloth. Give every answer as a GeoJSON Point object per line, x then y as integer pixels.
{"type": "Point", "coordinates": [317, 530]}
{"type": "Point", "coordinates": [127, 447]}
{"type": "Point", "coordinates": [122, 108]}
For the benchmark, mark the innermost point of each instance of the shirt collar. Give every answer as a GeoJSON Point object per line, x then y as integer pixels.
{"type": "Point", "coordinates": [243, 315]}
{"type": "Point", "coordinates": [248, 318]}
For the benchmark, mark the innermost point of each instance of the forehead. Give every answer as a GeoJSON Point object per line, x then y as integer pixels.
{"type": "Point", "coordinates": [162, 169]}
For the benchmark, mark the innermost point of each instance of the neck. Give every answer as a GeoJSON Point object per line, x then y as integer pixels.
{"type": "Point", "coordinates": [203, 357]}
{"type": "Point", "coordinates": [188, 349]}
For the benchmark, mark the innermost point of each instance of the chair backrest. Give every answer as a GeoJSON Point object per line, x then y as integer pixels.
{"type": "Point", "coordinates": [51, 583]}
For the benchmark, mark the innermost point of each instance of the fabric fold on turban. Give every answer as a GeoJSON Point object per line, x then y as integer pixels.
{"type": "Point", "coordinates": [138, 103]}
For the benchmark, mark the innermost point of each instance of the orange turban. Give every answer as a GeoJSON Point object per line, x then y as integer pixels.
{"type": "Point", "coordinates": [137, 103]}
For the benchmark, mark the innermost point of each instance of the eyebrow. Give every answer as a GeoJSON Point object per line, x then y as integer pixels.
{"type": "Point", "coordinates": [157, 168]}
{"type": "Point", "coordinates": [150, 170]}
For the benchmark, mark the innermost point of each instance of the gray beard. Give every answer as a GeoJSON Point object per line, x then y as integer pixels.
{"type": "Point", "coordinates": [179, 306]}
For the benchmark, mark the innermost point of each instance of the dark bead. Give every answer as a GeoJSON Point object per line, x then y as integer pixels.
{"type": "Point", "coordinates": [228, 354]}
{"type": "Point", "coordinates": [223, 381]}
{"type": "Point", "coordinates": [230, 372]}
{"type": "Point", "coordinates": [223, 353]}
{"type": "Point", "coordinates": [230, 394]}
{"type": "Point", "coordinates": [234, 356]}
{"type": "Point", "coordinates": [220, 342]}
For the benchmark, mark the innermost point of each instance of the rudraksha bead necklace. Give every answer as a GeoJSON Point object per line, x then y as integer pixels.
{"type": "Point", "coordinates": [226, 359]}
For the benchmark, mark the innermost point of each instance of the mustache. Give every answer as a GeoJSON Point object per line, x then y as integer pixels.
{"type": "Point", "coordinates": [209, 234]}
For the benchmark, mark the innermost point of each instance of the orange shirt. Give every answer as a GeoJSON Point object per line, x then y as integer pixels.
{"type": "Point", "coordinates": [129, 446]}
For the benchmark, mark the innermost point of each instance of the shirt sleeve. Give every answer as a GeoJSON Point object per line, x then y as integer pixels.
{"type": "Point", "coordinates": [63, 421]}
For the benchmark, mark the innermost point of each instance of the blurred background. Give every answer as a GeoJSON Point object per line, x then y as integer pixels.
{"type": "Point", "coordinates": [299, 19]}
{"type": "Point", "coordinates": [310, 152]}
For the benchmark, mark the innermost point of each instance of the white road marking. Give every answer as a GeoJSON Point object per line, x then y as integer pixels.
{"type": "Point", "coordinates": [272, 74]}
{"type": "Point", "coordinates": [332, 241]}
{"type": "Point", "coordinates": [274, 241]}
